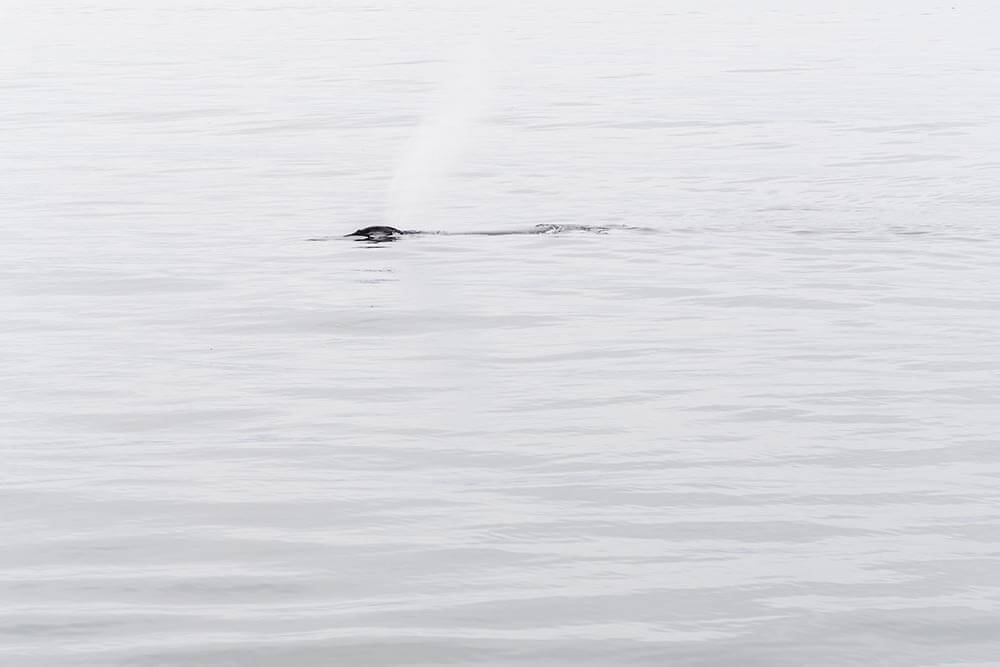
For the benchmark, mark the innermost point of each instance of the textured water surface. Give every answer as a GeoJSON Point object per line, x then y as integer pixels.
{"type": "Point", "coordinates": [763, 433]}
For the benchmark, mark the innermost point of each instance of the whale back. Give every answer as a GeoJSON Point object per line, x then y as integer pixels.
{"type": "Point", "coordinates": [377, 233]}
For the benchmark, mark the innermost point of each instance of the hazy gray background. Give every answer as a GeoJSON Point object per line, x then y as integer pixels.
{"type": "Point", "coordinates": [764, 434]}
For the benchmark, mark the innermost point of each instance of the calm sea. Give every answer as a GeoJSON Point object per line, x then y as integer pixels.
{"type": "Point", "coordinates": [763, 433]}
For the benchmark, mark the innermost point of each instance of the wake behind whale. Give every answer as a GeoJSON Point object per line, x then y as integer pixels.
{"type": "Point", "coordinates": [380, 233]}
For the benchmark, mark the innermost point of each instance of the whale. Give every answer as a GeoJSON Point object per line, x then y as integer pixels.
{"type": "Point", "coordinates": [380, 233]}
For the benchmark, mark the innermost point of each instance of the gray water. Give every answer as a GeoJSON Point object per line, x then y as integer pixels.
{"type": "Point", "coordinates": [764, 433]}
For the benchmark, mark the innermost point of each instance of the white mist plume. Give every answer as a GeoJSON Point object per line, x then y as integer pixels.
{"type": "Point", "coordinates": [437, 144]}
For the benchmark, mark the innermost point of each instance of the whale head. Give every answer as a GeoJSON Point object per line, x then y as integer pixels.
{"type": "Point", "coordinates": [376, 233]}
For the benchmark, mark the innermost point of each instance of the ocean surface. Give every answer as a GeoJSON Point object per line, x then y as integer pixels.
{"type": "Point", "coordinates": [763, 431]}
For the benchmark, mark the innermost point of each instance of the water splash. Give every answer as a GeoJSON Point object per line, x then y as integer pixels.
{"type": "Point", "coordinates": [438, 142]}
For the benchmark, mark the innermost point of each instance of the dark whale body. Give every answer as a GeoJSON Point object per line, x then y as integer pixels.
{"type": "Point", "coordinates": [379, 233]}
